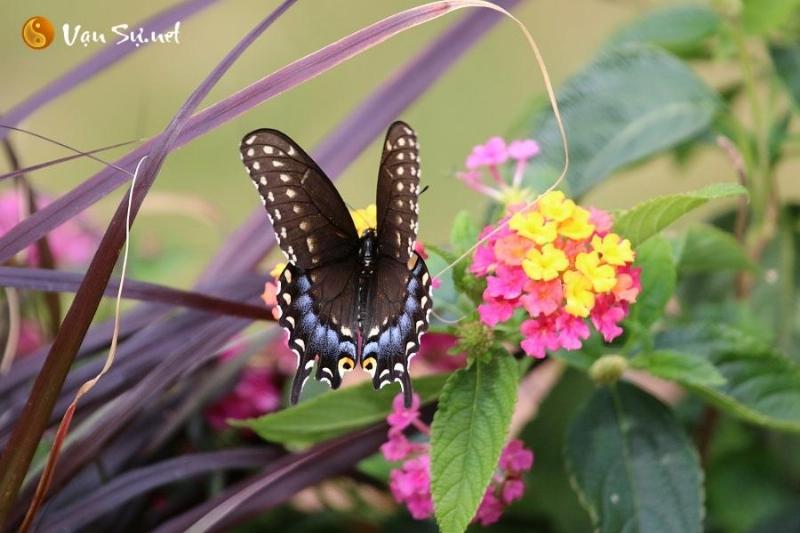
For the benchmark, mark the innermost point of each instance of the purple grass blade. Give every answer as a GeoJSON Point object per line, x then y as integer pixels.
{"type": "Point", "coordinates": [140, 481]}
{"type": "Point", "coordinates": [45, 164]}
{"type": "Point", "coordinates": [248, 245]}
{"type": "Point", "coordinates": [18, 453]}
{"type": "Point", "coordinates": [311, 66]}
{"type": "Point", "coordinates": [284, 478]}
{"type": "Point", "coordinates": [100, 61]}
{"type": "Point", "coordinates": [57, 281]}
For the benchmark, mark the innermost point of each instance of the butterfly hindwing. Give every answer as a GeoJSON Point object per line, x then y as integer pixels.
{"type": "Point", "coordinates": [397, 194]}
{"type": "Point", "coordinates": [399, 314]}
{"type": "Point", "coordinates": [310, 219]}
{"type": "Point", "coordinates": [317, 309]}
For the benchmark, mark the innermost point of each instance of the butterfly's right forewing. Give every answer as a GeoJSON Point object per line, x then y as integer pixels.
{"type": "Point", "coordinates": [310, 219]}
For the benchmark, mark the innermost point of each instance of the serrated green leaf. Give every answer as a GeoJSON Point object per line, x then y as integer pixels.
{"type": "Point", "coordinates": [710, 249]}
{"type": "Point", "coordinates": [761, 385]}
{"type": "Point", "coordinates": [658, 276]}
{"type": "Point", "coordinates": [336, 412]}
{"type": "Point", "coordinates": [468, 434]}
{"type": "Point", "coordinates": [786, 59]}
{"type": "Point", "coordinates": [464, 233]}
{"type": "Point", "coordinates": [679, 29]}
{"type": "Point", "coordinates": [633, 466]}
{"type": "Point", "coordinates": [629, 104]}
{"type": "Point", "coordinates": [648, 218]}
{"type": "Point", "coordinates": [680, 367]}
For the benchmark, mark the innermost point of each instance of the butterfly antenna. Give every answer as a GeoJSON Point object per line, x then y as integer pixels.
{"type": "Point", "coordinates": [551, 95]}
{"type": "Point", "coordinates": [425, 188]}
{"type": "Point", "coordinates": [440, 318]}
{"type": "Point", "coordinates": [68, 147]}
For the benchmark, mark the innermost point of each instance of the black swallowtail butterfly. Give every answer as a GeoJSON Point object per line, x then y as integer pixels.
{"type": "Point", "coordinates": [345, 298]}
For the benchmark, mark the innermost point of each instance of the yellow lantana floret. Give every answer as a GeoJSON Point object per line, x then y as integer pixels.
{"type": "Point", "coordinates": [614, 249]}
{"type": "Point", "coordinates": [577, 226]}
{"type": "Point", "coordinates": [277, 270]}
{"type": "Point", "coordinates": [365, 219]}
{"type": "Point", "coordinates": [578, 293]}
{"type": "Point", "coordinates": [532, 226]}
{"type": "Point", "coordinates": [546, 264]}
{"type": "Point", "coordinates": [602, 276]}
{"type": "Point", "coordinates": [555, 206]}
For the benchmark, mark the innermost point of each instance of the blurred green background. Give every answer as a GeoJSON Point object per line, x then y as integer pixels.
{"type": "Point", "coordinates": [202, 193]}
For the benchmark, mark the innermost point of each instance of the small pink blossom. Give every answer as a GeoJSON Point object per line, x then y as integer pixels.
{"type": "Point", "coordinates": [571, 331]}
{"type": "Point", "coordinates": [540, 336]}
{"type": "Point", "coordinates": [522, 150]}
{"type": "Point", "coordinates": [257, 393]}
{"type": "Point", "coordinates": [606, 316]}
{"type": "Point", "coordinates": [516, 458]}
{"type": "Point", "coordinates": [420, 249]}
{"type": "Point", "coordinates": [602, 220]}
{"type": "Point", "coordinates": [507, 283]}
{"type": "Point", "coordinates": [494, 311]}
{"type": "Point", "coordinates": [411, 485]}
{"type": "Point", "coordinates": [493, 153]}
{"type": "Point", "coordinates": [398, 447]}
{"type": "Point", "coordinates": [484, 260]}
{"type": "Point", "coordinates": [31, 338]}
{"type": "Point", "coordinates": [435, 350]}
{"type": "Point", "coordinates": [543, 298]}
{"type": "Point", "coordinates": [513, 489]}
{"type": "Point", "coordinates": [629, 284]}
{"type": "Point", "coordinates": [490, 509]}
{"type": "Point", "coordinates": [400, 417]}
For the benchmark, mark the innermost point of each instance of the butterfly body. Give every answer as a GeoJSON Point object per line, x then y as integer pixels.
{"type": "Point", "coordinates": [345, 298]}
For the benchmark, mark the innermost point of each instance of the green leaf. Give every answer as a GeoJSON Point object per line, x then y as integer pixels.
{"type": "Point", "coordinates": [464, 233]}
{"type": "Point", "coordinates": [761, 385]}
{"type": "Point", "coordinates": [648, 218]}
{"type": "Point", "coordinates": [633, 466]}
{"type": "Point", "coordinates": [630, 103]}
{"type": "Point", "coordinates": [710, 249]}
{"type": "Point", "coordinates": [786, 59]}
{"type": "Point", "coordinates": [762, 16]}
{"type": "Point", "coordinates": [468, 434]}
{"type": "Point", "coordinates": [678, 29]}
{"type": "Point", "coordinates": [657, 279]}
{"type": "Point", "coordinates": [680, 367]}
{"type": "Point", "coordinates": [335, 413]}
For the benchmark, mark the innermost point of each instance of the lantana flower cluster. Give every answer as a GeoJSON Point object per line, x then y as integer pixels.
{"type": "Point", "coordinates": [411, 482]}
{"type": "Point", "coordinates": [556, 261]}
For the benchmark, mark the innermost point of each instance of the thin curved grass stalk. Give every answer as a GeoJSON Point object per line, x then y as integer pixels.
{"type": "Point", "coordinates": [52, 162]}
{"type": "Point", "coordinates": [21, 447]}
{"type": "Point", "coordinates": [98, 62]}
{"type": "Point", "coordinates": [63, 427]}
{"type": "Point", "coordinates": [14, 325]}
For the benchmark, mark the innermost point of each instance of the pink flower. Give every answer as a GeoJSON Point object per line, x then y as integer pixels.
{"type": "Point", "coordinates": [420, 249]}
{"type": "Point", "coordinates": [522, 150]}
{"type": "Point", "coordinates": [72, 243]}
{"type": "Point", "coordinates": [400, 417]}
{"type": "Point", "coordinates": [434, 350]}
{"type": "Point", "coordinates": [31, 338]}
{"type": "Point", "coordinates": [540, 336]}
{"type": "Point", "coordinates": [543, 298]}
{"type": "Point", "coordinates": [398, 447]}
{"type": "Point", "coordinates": [513, 489]}
{"type": "Point", "coordinates": [256, 393]}
{"type": "Point", "coordinates": [493, 153]}
{"type": "Point", "coordinates": [484, 260]}
{"type": "Point", "coordinates": [629, 284]}
{"type": "Point", "coordinates": [515, 458]}
{"type": "Point", "coordinates": [490, 510]}
{"type": "Point", "coordinates": [602, 220]}
{"type": "Point", "coordinates": [606, 315]}
{"type": "Point", "coordinates": [571, 331]}
{"type": "Point", "coordinates": [492, 311]}
{"type": "Point", "coordinates": [411, 485]}
{"type": "Point", "coordinates": [507, 283]}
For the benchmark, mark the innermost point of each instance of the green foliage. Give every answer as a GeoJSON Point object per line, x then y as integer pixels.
{"type": "Point", "coordinates": [336, 412]}
{"type": "Point", "coordinates": [682, 30]}
{"type": "Point", "coordinates": [629, 104]}
{"type": "Point", "coordinates": [761, 385]}
{"type": "Point", "coordinates": [632, 464]}
{"type": "Point", "coordinates": [680, 367]}
{"type": "Point", "coordinates": [707, 248]}
{"type": "Point", "coordinates": [469, 431]}
{"type": "Point", "coordinates": [648, 218]}
{"type": "Point", "coordinates": [763, 16]}
{"type": "Point", "coordinates": [786, 60]}
{"type": "Point", "coordinates": [658, 276]}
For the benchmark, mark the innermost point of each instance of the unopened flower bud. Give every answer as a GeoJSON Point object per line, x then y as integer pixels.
{"type": "Point", "coordinates": [608, 369]}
